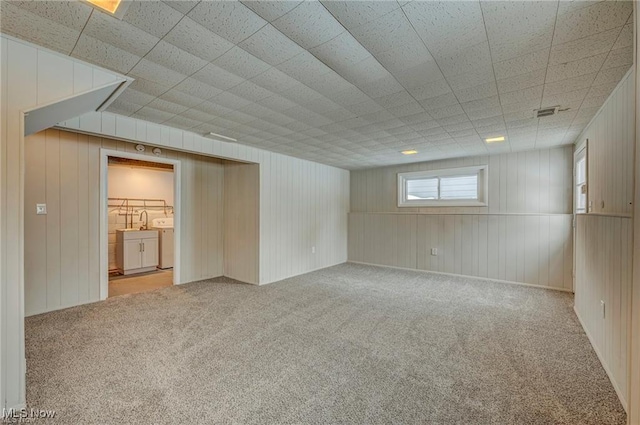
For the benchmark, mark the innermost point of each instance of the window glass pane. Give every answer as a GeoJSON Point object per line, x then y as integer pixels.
{"type": "Point", "coordinates": [422, 188]}
{"type": "Point", "coordinates": [581, 171]}
{"type": "Point", "coordinates": [459, 187]}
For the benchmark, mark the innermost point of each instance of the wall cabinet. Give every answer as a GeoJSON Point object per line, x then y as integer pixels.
{"type": "Point", "coordinates": [136, 251]}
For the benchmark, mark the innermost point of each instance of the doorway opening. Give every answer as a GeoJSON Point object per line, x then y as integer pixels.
{"type": "Point", "coordinates": [139, 208]}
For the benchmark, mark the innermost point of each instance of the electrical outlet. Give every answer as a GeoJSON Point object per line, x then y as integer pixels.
{"type": "Point", "coordinates": [434, 251]}
{"type": "Point", "coordinates": [603, 309]}
{"type": "Point", "coordinates": [313, 249]}
{"type": "Point", "coordinates": [41, 209]}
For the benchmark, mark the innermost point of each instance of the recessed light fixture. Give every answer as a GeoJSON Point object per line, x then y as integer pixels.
{"type": "Point", "coordinates": [222, 137]}
{"type": "Point", "coordinates": [494, 139]}
{"type": "Point", "coordinates": [409, 152]}
{"type": "Point", "coordinates": [115, 8]}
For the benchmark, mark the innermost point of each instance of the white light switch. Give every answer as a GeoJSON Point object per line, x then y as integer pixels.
{"type": "Point", "coordinates": [434, 251]}
{"type": "Point", "coordinates": [41, 209]}
{"type": "Point", "coordinates": [313, 249]}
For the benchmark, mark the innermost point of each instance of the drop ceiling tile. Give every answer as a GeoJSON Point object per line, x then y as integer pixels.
{"type": "Point", "coordinates": [478, 92]}
{"type": "Point", "coordinates": [166, 106]}
{"type": "Point", "coordinates": [148, 87]}
{"type": "Point", "coordinates": [532, 94]}
{"type": "Point", "coordinates": [174, 58]}
{"type": "Point", "coordinates": [182, 122]}
{"type": "Point", "coordinates": [447, 26]}
{"type": "Point", "coordinates": [218, 77]}
{"type": "Point", "coordinates": [583, 47]}
{"type": "Point", "coordinates": [182, 6]}
{"type": "Point", "coordinates": [448, 111]}
{"type": "Point", "coordinates": [570, 84]}
{"type": "Point", "coordinates": [241, 63]}
{"type": "Point", "coordinates": [71, 14]}
{"type": "Point", "coordinates": [381, 87]}
{"type": "Point", "coordinates": [230, 100]}
{"type": "Point", "coordinates": [494, 121]}
{"type": "Point", "coordinates": [105, 55]}
{"type": "Point", "coordinates": [353, 14]}
{"type": "Point", "coordinates": [239, 117]}
{"type": "Point", "coordinates": [151, 71]}
{"type": "Point", "coordinates": [477, 77]}
{"type": "Point", "coordinates": [416, 76]}
{"type": "Point", "coordinates": [300, 94]}
{"type": "Point", "coordinates": [304, 67]}
{"type": "Point", "coordinates": [479, 114]}
{"type": "Point", "coordinates": [590, 20]}
{"type": "Point", "coordinates": [309, 25]}
{"type": "Point", "coordinates": [197, 40]}
{"type": "Point", "coordinates": [465, 60]}
{"type": "Point", "coordinates": [155, 17]}
{"type": "Point", "coordinates": [522, 81]}
{"type": "Point", "coordinates": [180, 98]}
{"type": "Point", "coordinates": [230, 20]}
{"type": "Point", "coordinates": [153, 115]}
{"type": "Point", "coordinates": [131, 95]}
{"type": "Point", "coordinates": [575, 69]}
{"type": "Point", "coordinates": [515, 28]}
{"type": "Point", "coordinates": [274, 80]}
{"type": "Point", "coordinates": [120, 34]}
{"type": "Point", "coordinates": [438, 102]}
{"type": "Point", "coordinates": [122, 107]}
{"type": "Point", "coordinates": [619, 57]}
{"type": "Point", "coordinates": [566, 100]}
{"type": "Point", "coordinates": [537, 59]}
{"type": "Point", "coordinates": [257, 110]}
{"type": "Point", "coordinates": [602, 90]}
{"type": "Point", "coordinates": [430, 90]}
{"type": "Point", "coordinates": [364, 108]}
{"type": "Point", "coordinates": [271, 46]}
{"type": "Point", "coordinates": [340, 52]}
{"type": "Point", "coordinates": [606, 76]}
{"type": "Point", "coordinates": [196, 115]}
{"type": "Point", "coordinates": [271, 10]}
{"type": "Point", "coordinates": [36, 29]}
{"type": "Point", "coordinates": [481, 104]}
{"type": "Point", "coordinates": [250, 91]}
{"type": "Point", "coordinates": [196, 88]}
{"type": "Point", "coordinates": [625, 39]}
{"type": "Point", "coordinates": [278, 103]}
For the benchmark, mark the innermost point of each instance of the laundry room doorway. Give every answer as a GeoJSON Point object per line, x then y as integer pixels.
{"type": "Point", "coordinates": [139, 234]}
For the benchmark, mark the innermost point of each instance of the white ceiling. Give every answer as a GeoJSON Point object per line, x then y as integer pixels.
{"type": "Point", "coordinates": [351, 83]}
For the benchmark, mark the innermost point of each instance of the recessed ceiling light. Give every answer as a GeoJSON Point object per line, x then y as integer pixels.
{"type": "Point", "coordinates": [409, 152]}
{"type": "Point", "coordinates": [222, 137]}
{"type": "Point", "coordinates": [107, 5]}
{"type": "Point", "coordinates": [494, 139]}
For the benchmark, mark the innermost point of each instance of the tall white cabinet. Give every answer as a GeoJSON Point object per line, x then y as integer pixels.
{"type": "Point", "coordinates": [136, 251]}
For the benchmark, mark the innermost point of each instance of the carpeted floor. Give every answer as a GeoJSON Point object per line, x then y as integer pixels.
{"type": "Point", "coordinates": [348, 344]}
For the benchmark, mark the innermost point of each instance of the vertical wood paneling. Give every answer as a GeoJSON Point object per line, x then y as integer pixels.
{"type": "Point", "coordinates": [241, 219]}
{"type": "Point", "coordinates": [603, 243]}
{"type": "Point", "coordinates": [603, 258]}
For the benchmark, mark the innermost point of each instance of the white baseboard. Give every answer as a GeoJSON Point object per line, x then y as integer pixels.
{"type": "Point", "coordinates": [621, 395]}
{"type": "Point", "coordinates": [510, 282]}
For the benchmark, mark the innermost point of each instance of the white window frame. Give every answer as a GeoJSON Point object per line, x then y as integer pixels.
{"type": "Point", "coordinates": [483, 187]}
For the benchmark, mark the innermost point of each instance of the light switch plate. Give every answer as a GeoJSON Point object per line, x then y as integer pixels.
{"type": "Point", "coordinates": [41, 209]}
{"type": "Point", "coordinates": [434, 251]}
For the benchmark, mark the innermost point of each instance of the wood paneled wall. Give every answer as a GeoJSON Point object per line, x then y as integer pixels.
{"type": "Point", "coordinates": [27, 82]}
{"type": "Point", "coordinates": [603, 243]}
{"type": "Point", "coordinates": [603, 273]}
{"type": "Point", "coordinates": [241, 221]}
{"type": "Point", "coordinates": [62, 248]}
{"type": "Point", "coordinates": [524, 235]}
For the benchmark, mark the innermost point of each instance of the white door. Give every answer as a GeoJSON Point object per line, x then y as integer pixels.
{"type": "Point", "coordinates": [132, 254]}
{"type": "Point", "coordinates": [149, 252]}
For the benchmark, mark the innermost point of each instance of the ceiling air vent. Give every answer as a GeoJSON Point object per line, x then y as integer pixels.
{"type": "Point", "coordinates": [546, 112]}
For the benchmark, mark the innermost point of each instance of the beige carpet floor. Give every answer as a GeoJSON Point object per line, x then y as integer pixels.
{"type": "Point", "coordinates": [350, 344]}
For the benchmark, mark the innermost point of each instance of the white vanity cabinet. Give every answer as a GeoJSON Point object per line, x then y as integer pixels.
{"type": "Point", "coordinates": [136, 250]}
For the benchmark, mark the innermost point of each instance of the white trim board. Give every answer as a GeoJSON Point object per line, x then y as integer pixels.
{"type": "Point", "coordinates": [104, 227]}
{"type": "Point", "coordinates": [488, 279]}
{"type": "Point", "coordinates": [619, 392]}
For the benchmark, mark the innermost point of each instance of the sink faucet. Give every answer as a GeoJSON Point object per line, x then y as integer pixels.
{"type": "Point", "coordinates": [145, 226]}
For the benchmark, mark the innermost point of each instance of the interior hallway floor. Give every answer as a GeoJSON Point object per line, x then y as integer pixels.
{"type": "Point", "coordinates": [347, 344]}
{"type": "Point", "coordinates": [143, 282]}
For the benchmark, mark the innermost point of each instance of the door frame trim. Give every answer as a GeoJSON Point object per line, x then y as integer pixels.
{"type": "Point", "coordinates": [104, 215]}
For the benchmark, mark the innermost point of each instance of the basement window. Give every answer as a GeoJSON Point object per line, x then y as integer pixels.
{"type": "Point", "coordinates": [453, 187]}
